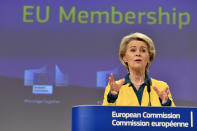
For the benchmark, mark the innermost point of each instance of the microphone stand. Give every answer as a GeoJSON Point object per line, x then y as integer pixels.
{"type": "Point", "coordinates": [148, 90]}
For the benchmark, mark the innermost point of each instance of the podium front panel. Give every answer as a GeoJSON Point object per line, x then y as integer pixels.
{"type": "Point", "coordinates": [127, 118]}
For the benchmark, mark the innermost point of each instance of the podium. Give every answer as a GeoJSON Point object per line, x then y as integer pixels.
{"type": "Point", "coordinates": [128, 118]}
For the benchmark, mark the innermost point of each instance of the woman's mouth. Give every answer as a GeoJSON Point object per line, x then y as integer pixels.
{"type": "Point", "coordinates": [138, 60]}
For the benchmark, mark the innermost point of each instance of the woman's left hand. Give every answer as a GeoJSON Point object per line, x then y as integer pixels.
{"type": "Point", "coordinates": [163, 95]}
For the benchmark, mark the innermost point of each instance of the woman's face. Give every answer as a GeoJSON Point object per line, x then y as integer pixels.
{"type": "Point", "coordinates": [137, 55]}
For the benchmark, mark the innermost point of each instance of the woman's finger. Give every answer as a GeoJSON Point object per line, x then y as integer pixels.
{"type": "Point", "coordinates": [112, 78]}
{"type": "Point", "coordinates": [110, 83]}
{"type": "Point", "coordinates": [121, 82]}
{"type": "Point", "coordinates": [166, 89]}
{"type": "Point", "coordinates": [156, 90]}
{"type": "Point", "coordinates": [167, 92]}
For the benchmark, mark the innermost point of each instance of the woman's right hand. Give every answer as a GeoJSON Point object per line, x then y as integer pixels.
{"type": "Point", "coordinates": [114, 87]}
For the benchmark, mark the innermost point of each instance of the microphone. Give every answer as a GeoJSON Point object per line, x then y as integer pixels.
{"type": "Point", "coordinates": [148, 90]}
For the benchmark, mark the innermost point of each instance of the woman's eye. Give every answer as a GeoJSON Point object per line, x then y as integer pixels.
{"type": "Point", "coordinates": [143, 50]}
{"type": "Point", "coordinates": [132, 50]}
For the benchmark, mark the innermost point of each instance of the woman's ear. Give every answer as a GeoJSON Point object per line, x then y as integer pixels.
{"type": "Point", "coordinates": [124, 59]}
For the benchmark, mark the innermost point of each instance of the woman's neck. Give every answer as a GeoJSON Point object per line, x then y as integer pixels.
{"type": "Point", "coordinates": [137, 77]}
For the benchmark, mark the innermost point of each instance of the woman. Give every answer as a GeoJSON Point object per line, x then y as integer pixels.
{"type": "Point", "coordinates": [136, 53]}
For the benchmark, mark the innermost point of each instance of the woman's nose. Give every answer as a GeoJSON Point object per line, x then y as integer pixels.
{"type": "Point", "coordinates": [137, 53]}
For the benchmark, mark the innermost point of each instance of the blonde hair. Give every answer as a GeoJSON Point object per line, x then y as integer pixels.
{"type": "Point", "coordinates": [140, 37]}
